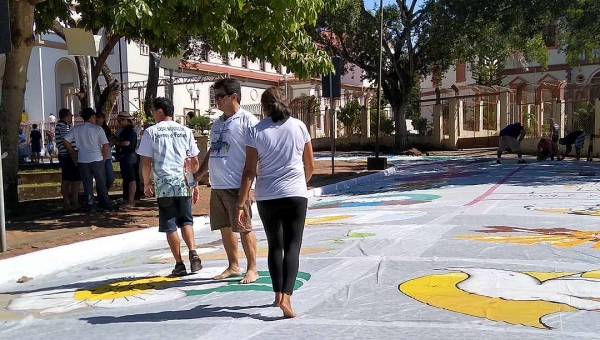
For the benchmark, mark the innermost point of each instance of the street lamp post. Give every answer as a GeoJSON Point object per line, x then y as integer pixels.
{"type": "Point", "coordinates": [285, 80]}
{"type": "Point", "coordinates": [378, 163]}
{"type": "Point", "coordinates": [194, 95]}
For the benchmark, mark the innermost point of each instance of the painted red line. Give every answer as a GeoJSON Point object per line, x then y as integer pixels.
{"type": "Point", "coordinates": [494, 187]}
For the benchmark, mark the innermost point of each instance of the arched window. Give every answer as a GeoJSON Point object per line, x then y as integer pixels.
{"type": "Point", "coordinates": [595, 80]}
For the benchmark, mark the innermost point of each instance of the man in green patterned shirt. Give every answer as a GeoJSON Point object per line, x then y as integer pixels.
{"type": "Point", "coordinates": [165, 148]}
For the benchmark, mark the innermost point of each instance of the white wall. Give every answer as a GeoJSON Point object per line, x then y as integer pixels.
{"type": "Point", "coordinates": [43, 87]}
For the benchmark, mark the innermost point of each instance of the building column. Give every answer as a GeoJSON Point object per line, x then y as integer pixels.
{"type": "Point", "coordinates": [559, 116]}
{"type": "Point", "coordinates": [453, 128]}
{"type": "Point", "coordinates": [504, 102]}
{"type": "Point", "coordinates": [597, 128]}
{"type": "Point", "coordinates": [438, 125]}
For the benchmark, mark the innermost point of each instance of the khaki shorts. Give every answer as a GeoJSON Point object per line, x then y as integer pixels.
{"type": "Point", "coordinates": [507, 142]}
{"type": "Point", "coordinates": [223, 211]}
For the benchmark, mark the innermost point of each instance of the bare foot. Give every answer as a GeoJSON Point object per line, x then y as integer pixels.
{"type": "Point", "coordinates": [277, 301]}
{"type": "Point", "coordinates": [250, 277]}
{"type": "Point", "coordinates": [286, 307]}
{"type": "Point", "coordinates": [229, 272]}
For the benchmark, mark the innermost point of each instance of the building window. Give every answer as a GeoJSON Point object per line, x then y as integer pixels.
{"type": "Point", "coordinates": [211, 93]}
{"type": "Point", "coordinates": [225, 58]}
{"type": "Point", "coordinates": [263, 66]}
{"type": "Point", "coordinates": [144, 49]}
{"type": "Point", "coordinates": [461, 73]}
{"type": "Point", "coordinates": [279, 69]}
{"type": "Point", "coordinates": [244, 62]}
{"type": "Point", "coordinates": [168, 92]}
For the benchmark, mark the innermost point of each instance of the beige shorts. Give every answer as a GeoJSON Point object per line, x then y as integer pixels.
{"type": "Point", "coordinates": [507, 142]}
{"type": "Point", "coordinates": [223, 210]}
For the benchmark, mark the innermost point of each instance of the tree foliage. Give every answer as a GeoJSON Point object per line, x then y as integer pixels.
{"type": "Point", "coordinates": [580, 31]}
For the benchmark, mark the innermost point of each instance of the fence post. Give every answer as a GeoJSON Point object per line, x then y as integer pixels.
{"type": "Point", "coordinates": [504, 102]}
{"type": "Point", "coordinates": [453, 104]}
{"type": "Point", "coordinates": [559, 116]}
{"type": "Point", "coordinates": [481, 116]}
{"type": "Point", "coordinates": [366, 121]}
{"type": "Point", "coordinates": [597, 118]}
{"type": "Point", "coordinates": [438, 133]}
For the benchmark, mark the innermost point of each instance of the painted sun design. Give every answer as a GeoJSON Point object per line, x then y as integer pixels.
{"type": "Point", "coordinates": [137, 289]}
{"type": "Point", "coordinates": [119, 290]}
{"type": "Point", "coordinates": [558, 237]}
{"type": "Point", "coordinates": [518, 298]}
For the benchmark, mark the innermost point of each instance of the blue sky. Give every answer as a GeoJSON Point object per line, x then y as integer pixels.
{"type": "Point", "coordinates": [370, 4]}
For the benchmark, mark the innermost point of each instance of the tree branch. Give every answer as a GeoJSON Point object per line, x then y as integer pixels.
{"type": "Point", "coordinates": [58, 29]}
{"type": "Point", "coordinates": [101, 60]}
{"type": "Point", "coordinates": [412, 6]}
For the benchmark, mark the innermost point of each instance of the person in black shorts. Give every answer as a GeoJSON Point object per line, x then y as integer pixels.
{"type": "Point", "coordinates": [575, 137]}
{"type": "Point", "coordinates": [35, 137]}
{"type": "Point", "coordinates": [127, 157]}
{"type": "Point", "coordinates": [71, 180]}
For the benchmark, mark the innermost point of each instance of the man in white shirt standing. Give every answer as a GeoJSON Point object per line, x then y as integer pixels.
{"type": "Point", "coordinates": [225, 162]}
{"type": "Point", "coordinates": [165, 149]}
{"type": "Point", "coordinates": [92, 151]}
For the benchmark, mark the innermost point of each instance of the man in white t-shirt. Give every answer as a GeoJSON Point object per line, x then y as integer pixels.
{"type": "Point", "coordinates": [92, 151]}
{"type": "Point", "coordinates": [225, 162]}
{"type": "Point", "coordinates": [166, 148]}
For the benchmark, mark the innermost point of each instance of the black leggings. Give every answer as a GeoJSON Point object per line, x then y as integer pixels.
{"type": "Point", "coordinates": [283, 219]}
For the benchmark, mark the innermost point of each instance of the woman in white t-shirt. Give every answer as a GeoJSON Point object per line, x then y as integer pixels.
{"type": "Point", "coordinates": [280, 145]}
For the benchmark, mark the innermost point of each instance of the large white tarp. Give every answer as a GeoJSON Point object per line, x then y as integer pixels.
{"type": "Point", "coordinates": [438, 249]}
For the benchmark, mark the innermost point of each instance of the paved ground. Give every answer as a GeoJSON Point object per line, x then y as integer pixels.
{"type": "Point", "coordinates": [440, 248]}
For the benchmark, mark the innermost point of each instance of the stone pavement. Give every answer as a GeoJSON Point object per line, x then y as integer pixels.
{"type": "Point", "coordinates": [437, 248]}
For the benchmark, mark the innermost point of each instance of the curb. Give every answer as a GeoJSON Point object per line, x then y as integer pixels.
{"type": "Point", "coordinates": [51, 260]}
{"type": "Point", "coordinates": [337, 187]}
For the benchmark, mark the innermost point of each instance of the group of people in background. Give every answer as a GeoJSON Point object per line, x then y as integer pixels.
{"type": "Point", "coordinates": [276, 151]}
{"type": "Point", "coordinates": [84, 155]}
{"type": "Point", "coordinates": [547, 148]}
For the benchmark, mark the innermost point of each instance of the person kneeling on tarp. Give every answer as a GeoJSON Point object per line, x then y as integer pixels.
{"type": "Point", "coordinates": [508, 140]}
{"type": "Point", "coordinates": [575, 137]}
{"type": "Point", "coordinates": [545, 149]}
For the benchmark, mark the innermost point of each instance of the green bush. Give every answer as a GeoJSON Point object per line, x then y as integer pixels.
{"type": "Point", "coordinates": [350, 116]}
{"type": "Point", "coordinates": [200, 123]}
{"type": "Point", "coordinates": [420, 124]}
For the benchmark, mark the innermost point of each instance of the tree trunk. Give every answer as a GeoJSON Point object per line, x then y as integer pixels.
{"type": "Point", "coordinates": [13, 93]}
{"type": "Point", "coordinates": [152, 85]}
{"type": "Point", "coordinates": [401, 136]}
